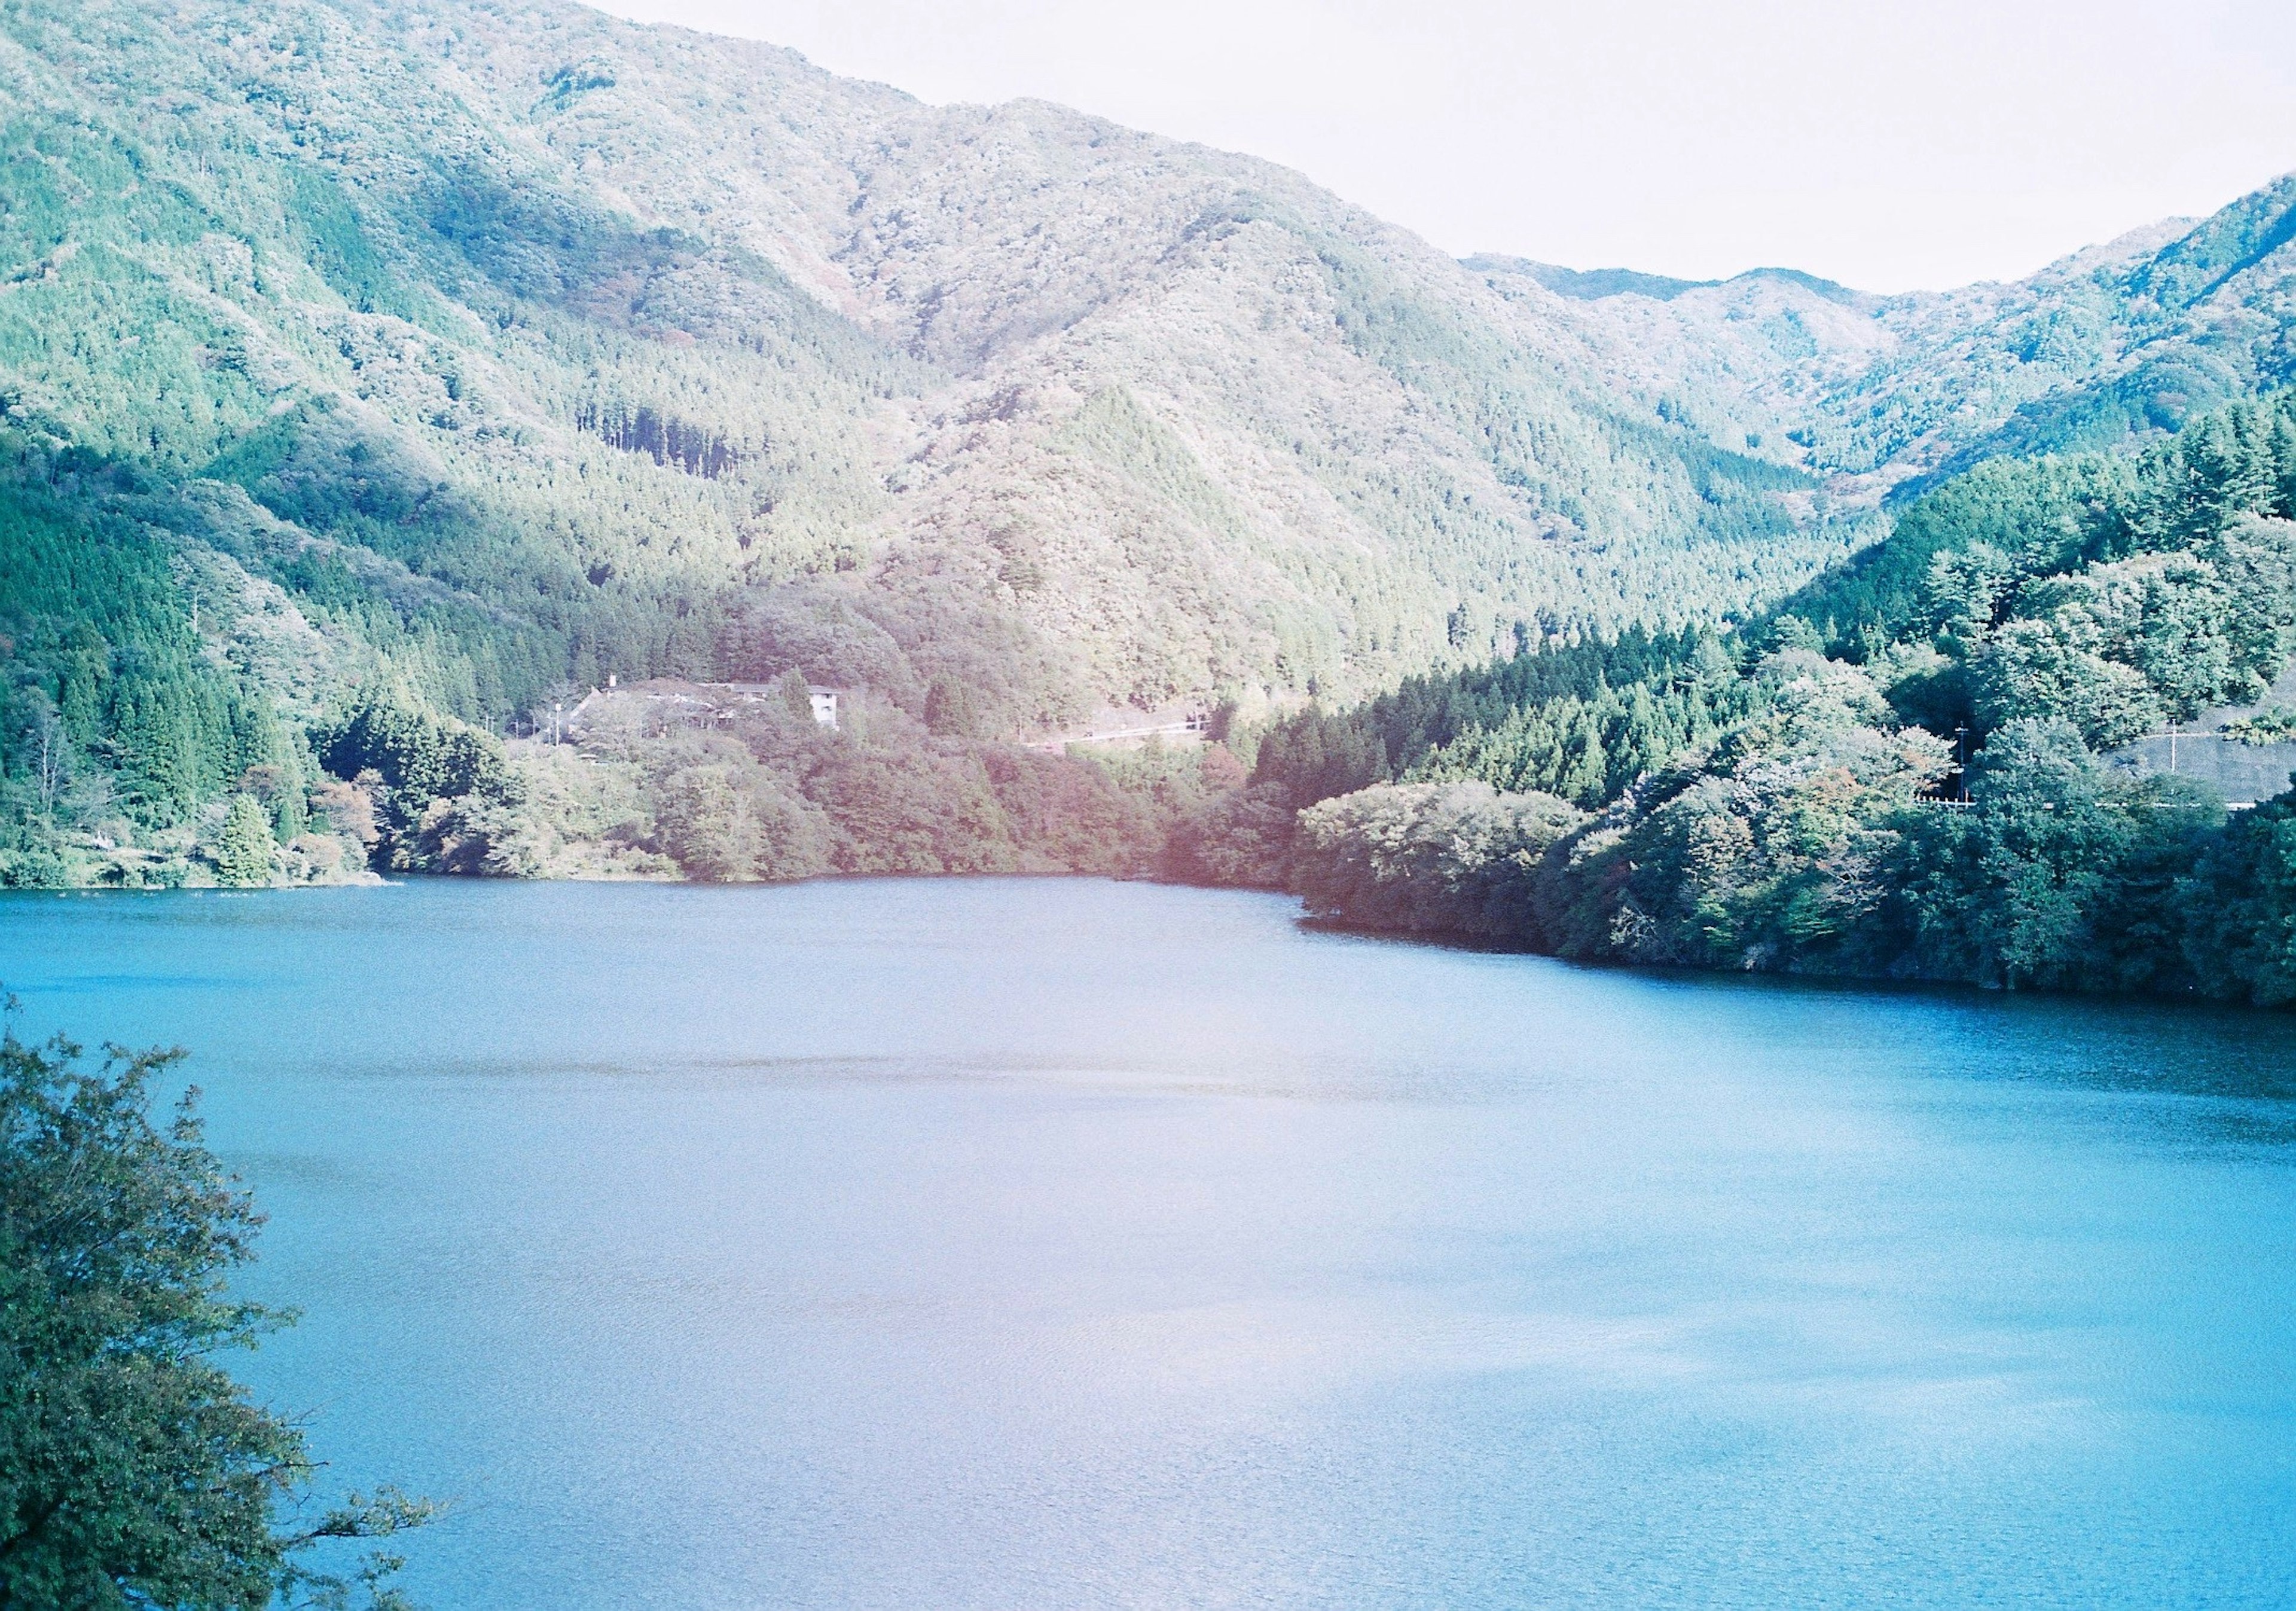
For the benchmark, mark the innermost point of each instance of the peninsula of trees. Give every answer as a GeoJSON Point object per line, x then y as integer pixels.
{"type": "Point", "coordinates": [1905, 769]}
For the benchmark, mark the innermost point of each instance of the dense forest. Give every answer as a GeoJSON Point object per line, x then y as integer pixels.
{"type": "Point", "coordinates": [1906, 769]}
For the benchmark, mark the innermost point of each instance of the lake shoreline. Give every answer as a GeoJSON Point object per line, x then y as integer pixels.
{"type": "Point", "coordinates": [1853, 983]}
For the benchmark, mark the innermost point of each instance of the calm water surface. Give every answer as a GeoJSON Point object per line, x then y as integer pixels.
{"type": "Point", "coordinates": [1061, 1243]}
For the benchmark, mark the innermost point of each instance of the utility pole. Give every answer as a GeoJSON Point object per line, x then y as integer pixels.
{"type": "Point", "coordinates": [1961, 761]}
{"type": "Point", "coordinates": [50, 765]}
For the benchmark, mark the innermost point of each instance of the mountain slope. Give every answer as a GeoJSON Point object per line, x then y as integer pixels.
{"type": "Point", "coordinates": [600, 322]}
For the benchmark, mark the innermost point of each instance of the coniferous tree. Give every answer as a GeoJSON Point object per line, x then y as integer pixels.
{"type": "Point", "coordinates": [243, 845]}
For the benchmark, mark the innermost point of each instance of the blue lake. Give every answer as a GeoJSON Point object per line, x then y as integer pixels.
{"type": "Point", "coordinates": [1029, 1243]}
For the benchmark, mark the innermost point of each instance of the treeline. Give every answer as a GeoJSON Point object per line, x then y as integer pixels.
{"type": "Point", "coordinates": [392, 786]}
{"type": "Point", "coordinates": [1902, 772]}
{"type": "Point", "coordinates": [157, 686]}
{"type": "Point", "coordinates": [780, 797]}
{"type": "Point", "coordinates": [1318, 753]}
{"type": "Point", "coordinates": [650, 790]}
{"type": "Point", "coordinates": [1822, 858]}
{"type": "Point", "coordinates": [2116, 594]}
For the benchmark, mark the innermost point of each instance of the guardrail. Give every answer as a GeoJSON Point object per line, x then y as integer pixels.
{"type": "Point", "coordinates": [1194, 724]}
{"type": "Point", "coordinates": [2245, 773]}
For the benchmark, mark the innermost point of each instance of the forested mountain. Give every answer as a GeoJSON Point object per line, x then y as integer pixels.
{"type": "Point", "coordinates": [597, 322]}
{"type": "Point", "coordinates": [415, 364]}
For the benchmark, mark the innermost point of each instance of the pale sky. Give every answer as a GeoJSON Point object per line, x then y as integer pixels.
{"type": "Point", "coordinates": [1889, 145]}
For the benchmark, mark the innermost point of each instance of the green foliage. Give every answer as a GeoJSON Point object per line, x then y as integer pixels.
{"type": "Point", "coordinates": [2236, 460]}
{"type": "Point", "coordinates": [1422, 858]}
{"type": "Point", "coordinates": [440, 794]}
{"type": "Point", "coordinates": [1241, 839]}
{"type": "Point", "coordinates": [94, 630]}
{"type": "Point", "coordinates": [1588, 751]}
{"type": "Point", "coordinates": [774, 796]}
{"type": "Point", "coordinates": [951, 710]}
{"type": "Point", "coordinates": [2275, 724]}
{"type": "Point", "coordinates": [2241, 905]}
{"type": "Point", "coordinates": [1954, 554]}
{"type": "Point", "coordinates": [2055, 668]}
{"type": "Point", "coordinates": [726, 819]}
{"type": "Point", "coordinates": [142, 680]}
{"type": "Point", "coordinates": [1552, 718]}
{"type": "Point", "coordinates": [2009, 892]}
{"type": "Point", "coordinates": [823, 637]}
{"type": "Point", "coordinates": [412, 749]}
{"type": "Point", "coordinates": [926, 811]}
{"type": "Point", "coordinates": [1068, 814]}
{"type": "Point", "coordinates": [243, 845]}
{"type": "Point", "coordinates": [134, 1470]}
{"type": "Point", "coordinates": [797, 694]}
{"type": "Point", "coordinates": [1769, 854]}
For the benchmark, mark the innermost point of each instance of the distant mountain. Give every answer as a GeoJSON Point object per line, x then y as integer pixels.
{"type": "Point", "coordinates": [2102, 349]}
{"type": "Point", "coordinates": [1594, 284]}
{"type": "Point", "coordinates": [1587, 284]}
